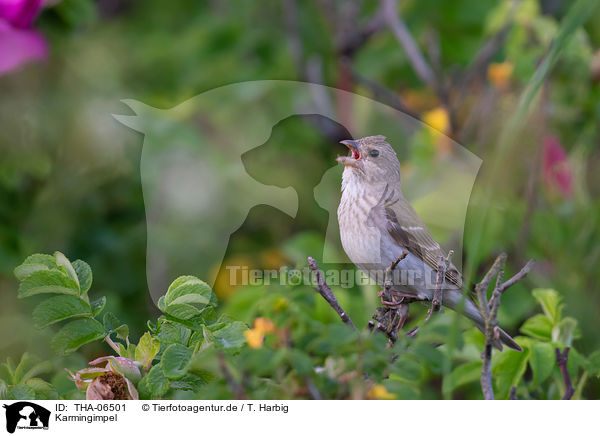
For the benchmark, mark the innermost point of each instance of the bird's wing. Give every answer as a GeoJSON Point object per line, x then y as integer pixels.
{"type": "Point", "coordinates": [408, 230]}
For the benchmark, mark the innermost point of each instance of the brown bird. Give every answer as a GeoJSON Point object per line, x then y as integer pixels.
{"type": "Point", "coordinates": [377, 225]}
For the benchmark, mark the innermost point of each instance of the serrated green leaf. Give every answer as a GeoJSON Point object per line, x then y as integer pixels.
{"type": "Point", "coordinates": [462, 375]}
{"type": "Point", "coordinates": [170, 333]}
{"type": "Point", "coordinates": [75, 334]}
{"type": "Point", "coordinates": [182, 311]}
{"type": "Point", "coordinates": [154, 384]}
{"type": "Point", "coordinates": [47, 282]}
{"type": "Point", "coordinates": [112, 324]}
{"type": "Point", "coordinates": [539, 327]}
{"type": "Point", "coordinates": [98, 305]}
{"type": "Point", "coordinates": [192, 382]}
{"type": "Point", "coordinates": [176, 361]}
{"type": "Point", "coordinates": [189, 290]}
{"type": "Point", "coordinates": [35, 262]}
{"type": "Point", "coordinates": [61, 260]}
{"type": "Point", "coordinates": [230, 336]}
{"type": "Point", "coordinates": [84, 275]}
{"type": "Point", "coordinates": [550, 301]}
{"type": "Point", "coordinates": [146, 349]}
{"type": "Point", "coordinates": [59, 308]}
{"type": "Point", "coordinates": [509, 370]}
{"type": "Point", "coordinates": [542, 361]}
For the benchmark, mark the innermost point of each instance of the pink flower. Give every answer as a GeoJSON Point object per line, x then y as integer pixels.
{"type": "Point", "coordinates": [114, 381]}
{"type": "Point", "coordinates": [556, 172]}
{"type": "Point", "coordinates": [19, 43]}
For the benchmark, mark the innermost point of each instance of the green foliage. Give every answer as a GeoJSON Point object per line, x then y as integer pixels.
{"type": "Point", "coordinates": [164, 354]}
{"type": "Point", "coordinates": [293, 345]}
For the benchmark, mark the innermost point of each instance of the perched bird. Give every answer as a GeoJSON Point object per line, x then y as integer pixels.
{"type": "Point", "coordinates": [377, 225]}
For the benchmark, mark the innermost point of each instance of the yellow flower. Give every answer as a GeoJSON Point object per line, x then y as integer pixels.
{"type": "Point", "coordinates": [379, 392]}
{"type": "Point", "coordinates": [437, 119]}
{"type": "Point", "coordinates": [500, 73]}
{"type": "Point", "coordinates": [254, 337]}
{"type": "Point", "coordinates": [264, 325]}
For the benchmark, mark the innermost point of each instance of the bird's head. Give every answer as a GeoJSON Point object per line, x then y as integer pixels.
{"type": "Point", "coordinates": [371, 159]}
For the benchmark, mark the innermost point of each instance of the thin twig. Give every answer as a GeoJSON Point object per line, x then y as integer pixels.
{"type": "Point", "coordinates": [327, 294]}
{"type": "Point", "coordinates": [518, 276]}
{"type": "Point", "coordinates": [312, 389]}
{"type": "Point", "coordinates": [513, 393]}
{"type": "Point", "coordinates": [561, 361]}
{"type": "Point", "coordinates": [393, 313]}
{"type": "Point", "coordinates": [236, 388]}
{"type": "Point", "coordinates": [514, 279]}
{"type": "Point", "coordinates": [489, 313]}
{"type": "Point", "coordinates": [110, 342]}
{"type": "Point", "coordinates": [413, 53]}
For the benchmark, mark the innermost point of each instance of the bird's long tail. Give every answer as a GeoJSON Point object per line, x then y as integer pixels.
{"type": "Point", "coordinates": [455, 300]}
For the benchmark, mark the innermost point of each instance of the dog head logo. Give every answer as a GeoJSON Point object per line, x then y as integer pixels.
{"type": "Point", "coordinates": [26, 415]}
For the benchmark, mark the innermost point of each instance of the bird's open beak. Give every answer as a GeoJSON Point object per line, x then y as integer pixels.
{"type": "Point", "coordinates": [354, 157]}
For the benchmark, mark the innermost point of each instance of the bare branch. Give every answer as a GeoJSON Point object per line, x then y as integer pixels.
{"type": "Point", "coordinates": [518, 276]}
{"type": "Point", "coordinates": [402, 34]}
{"type": "Point", "coordinates": [561, 361]}
{"type": "Point", "coordinates": [489, 313]}
{"type": "Point", "coordinates": [327, 294]}
{"type": "Point", "coordinates": [482, 286]}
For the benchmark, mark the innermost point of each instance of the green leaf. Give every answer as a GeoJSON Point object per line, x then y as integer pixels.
{"type": "Point", "coordinates": [189, 290]}
{"type": "Point", "coordinates": [154, 384]}
{"type": "Point", "coordinates": [550, 301]}
{"type": "Point", "coordinates": [161, 304]}
{"type": "Point", "coordinates": [192, 382]}
{"type": "Point", "coordinates": [538, 327]}
{"type": "Point", "coordinates": [509, 370]}
{"type": "Point", "coordinates": [75, 334]}
{"type": "Point", "coordinates": [542, 361]}
{"type": "Point", "coordinates": [592, 365]}
{"type": "Point", "coordinates": [29, 367]}
{"type": "Point", "coordinates": [47, 282]}
{"type": "Point", "coordinates": [562, 333]}
{"type": "Point", "coordinates": [230, 336]}
{"type": "Point", "coordinates": [112, 324]}
{"type": "Point", "coordinates": [35, 262]}
{"type": "Point", "coordinates": [98, 305]}
{"type": "Point", "coordinates": [182, 311]}
{"type": "Point", "coordinates": [176, 361]}
{"type": "Point", "coordinates": [42, 389]}
{"type": "Point", "coordinates": [61, 260]}
{"type": "Point", "coordinates": [301, 362]}
{"type": "Point", "coordinates": [4, 391]}
{"type": "Point", "coordinates": [84, 274]}
{"type": "Point", "coordinates": [146, 349]}
{"type": "Point", "coordinates": [23, 392]}
{"type": "Point", "coordinates": [462, 375]}
{"type": "Point", "coordinates": [59, 308]}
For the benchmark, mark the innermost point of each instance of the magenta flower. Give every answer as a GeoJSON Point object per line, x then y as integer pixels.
{"type": "Point", "coordinates": [19, 43]}
{"type": "Point", "coordinates": [556, 172]}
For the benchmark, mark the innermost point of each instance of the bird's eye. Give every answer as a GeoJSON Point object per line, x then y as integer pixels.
{"type": "Point", "coordinates": [374, 153]}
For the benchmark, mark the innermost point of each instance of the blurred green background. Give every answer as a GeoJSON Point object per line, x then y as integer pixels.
{"type": "Point", "coordinates": [69, 173]}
